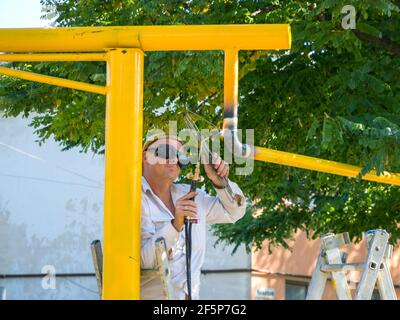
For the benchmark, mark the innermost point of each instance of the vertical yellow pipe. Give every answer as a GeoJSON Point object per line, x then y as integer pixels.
{"type": "Point", "coordinates": [231, 80]}
{"type": "Point", "coordinates": [231, 100]}
{"type": "Point", "coordinates": [123, 171]}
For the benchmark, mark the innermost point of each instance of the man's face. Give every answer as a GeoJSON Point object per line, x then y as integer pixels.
{"type": "Point", "coordinates": [158, 166]}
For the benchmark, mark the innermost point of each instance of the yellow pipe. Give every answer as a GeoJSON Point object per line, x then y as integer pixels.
{"type": "Point", "coordinates": [316, 164]}
{"type": "Point", "coordinates": [123, 174]}
{"type": "Point", "coordinates": [231, 80]}
{"type": "Point", "coordinates": [148, 38]}
{"type": "Point", "coordinates": [53, 80]}
{"type": "Point", "coordinates": [14, 57]}
{"type": "Point", "coordinates": [231, 89]}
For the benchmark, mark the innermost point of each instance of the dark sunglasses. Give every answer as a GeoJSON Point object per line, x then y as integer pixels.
{"type": "Point", "coordinates": [166, 151]}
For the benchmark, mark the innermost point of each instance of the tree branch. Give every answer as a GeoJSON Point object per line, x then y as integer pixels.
{"type": "Point", "coordinates": [386, 44]}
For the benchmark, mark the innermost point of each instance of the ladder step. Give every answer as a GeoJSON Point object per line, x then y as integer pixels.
{"type": "Point", "coordinates": [342, 267]}
{"type": "Point", "coordinates": [150, 272]}
{"type": "Point", "coordinates": [331, 240]}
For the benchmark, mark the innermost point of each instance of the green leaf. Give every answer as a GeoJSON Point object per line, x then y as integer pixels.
{"type": "Point", "coordinates": [331, 134]}
{"type": "Point", "coordinates": [313, 129]}
{"type": "Point", "coordinates": [99, 77]}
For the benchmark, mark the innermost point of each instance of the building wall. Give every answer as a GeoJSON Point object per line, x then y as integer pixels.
{"type": "Point", "coordinates": [51, 208]}
{"type": "Point", "coordinates": [225, 276]}
{"type": "Point", "coordinates": [272, 270]}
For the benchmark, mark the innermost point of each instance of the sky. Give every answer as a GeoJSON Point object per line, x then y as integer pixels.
{"type": "Point", "coordinates": [21, 14]}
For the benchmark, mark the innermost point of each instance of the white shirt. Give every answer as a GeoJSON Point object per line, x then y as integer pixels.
{"type": "Point", "coordinates": [156, 222]}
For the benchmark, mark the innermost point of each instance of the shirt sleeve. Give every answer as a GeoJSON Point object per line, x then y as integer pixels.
{"type": "Point", "coordinates": [149, 235]}
{"type": "Point", "coordinates": [220, 209]}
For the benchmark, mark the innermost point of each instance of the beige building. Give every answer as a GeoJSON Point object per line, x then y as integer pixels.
{"type": "Point", "coordinates": [284, 274]}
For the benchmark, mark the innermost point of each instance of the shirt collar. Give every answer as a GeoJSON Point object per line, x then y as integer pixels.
{"type": "Point", "coordinates": [145, 185]}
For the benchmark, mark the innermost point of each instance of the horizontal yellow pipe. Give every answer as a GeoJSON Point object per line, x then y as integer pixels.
{"type": "Point", "coordinates": [316, 164]}
{"type": "Point", "coordinates": [53, 80]}
{"type": "Point", "coordinates": [148, 38]}
{"type": "Point", "coordinates": [54, 57]}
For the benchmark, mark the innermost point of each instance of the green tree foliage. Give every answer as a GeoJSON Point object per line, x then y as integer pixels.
{"type": "Point", "coordinates": [334, 95]}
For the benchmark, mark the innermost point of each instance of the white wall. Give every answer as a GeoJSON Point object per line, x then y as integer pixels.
{"type": "Point", "coordinates": [230, 282]}
{"type": "Point", "coordinates": [51, 208]}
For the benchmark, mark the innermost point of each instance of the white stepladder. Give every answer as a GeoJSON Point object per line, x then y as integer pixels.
{"type": "Point", "coordinates": [162, 268]}
{"type": "Point", "coordinates": [374, 270]}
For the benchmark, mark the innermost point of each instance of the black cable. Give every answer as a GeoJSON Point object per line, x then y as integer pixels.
{"type": "Point", "coordinates": [188, 245]}
{"type": "Point", "coordinates": [188, 241]}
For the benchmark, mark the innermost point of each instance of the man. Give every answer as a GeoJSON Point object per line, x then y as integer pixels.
{"type": "Point", "coordinates": [165, 206]}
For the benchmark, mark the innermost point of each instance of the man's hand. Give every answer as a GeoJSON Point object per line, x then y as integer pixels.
{"type": "Point", "coordinates": [216, 170]}
{"type": "Point", "coordinates": [184, 208]}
